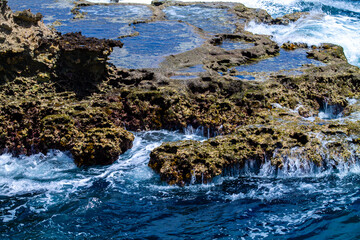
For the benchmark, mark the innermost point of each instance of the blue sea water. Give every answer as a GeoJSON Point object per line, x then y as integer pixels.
{"type": "Point", "coordinates": [48, 197]}
{"type": "Point", "coordinates": [212, 20]}
{"type": "Point", "coordinates": [329, 21]}
{"type": "Point", "coordinates": [155, 41]}
{"type": "Point", "coordinates": [286, 60]}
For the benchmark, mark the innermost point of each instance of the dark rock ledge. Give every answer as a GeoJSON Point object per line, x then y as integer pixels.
{"type": "Point", "coordinates": [58, 92]}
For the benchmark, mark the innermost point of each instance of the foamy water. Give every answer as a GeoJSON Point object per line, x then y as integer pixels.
{"type": "Point", "coordinates": [127, 199]}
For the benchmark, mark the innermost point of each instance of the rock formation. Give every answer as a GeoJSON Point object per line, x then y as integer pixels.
{"type": "Point", "coordinates": [42, 75]}
{"type": "Point", "coordinates": [58, 92]}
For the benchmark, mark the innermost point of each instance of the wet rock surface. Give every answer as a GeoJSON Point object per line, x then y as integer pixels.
{"type": "Point", "coordinates": [60, 92]}
{"type": "Point", "coordinates": [43, 75]}
{"type": "Point", "coordinates": [316, 144]}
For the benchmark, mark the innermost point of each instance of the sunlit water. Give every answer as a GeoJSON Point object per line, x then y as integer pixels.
{"type": "Point", "coordinates": [334, 21]}
{"type": "Point", "coordinates": [213, 20]}
{"type": "Point", "coordinates": [286, 60]}
{"type": "Point", "coordinates": [48, 197]}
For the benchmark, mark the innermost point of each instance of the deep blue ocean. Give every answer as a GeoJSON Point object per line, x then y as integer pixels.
{"type": "Point", "coordinates": [48, 197]}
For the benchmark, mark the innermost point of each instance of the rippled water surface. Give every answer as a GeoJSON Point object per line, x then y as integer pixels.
{"type": "Point", "coordinates": [213, 20]}
{"type": "Point", "coordinates": [286, 60]}
{"type": "Point", "coordinates": [44, 197]}
{"type": "Point", "coordinates": [155, 41]}
{"type": "Point", "coordinates": [48, 197]}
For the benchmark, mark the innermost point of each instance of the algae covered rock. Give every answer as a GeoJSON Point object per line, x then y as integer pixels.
{"type": "Point", "coordinates": [185, 162]}
{"type": "Point", "coordinates": [42, 76]}
{"type": "Point", "coordinates": [21, 33]}
{"type": "Point", "coordinates": [58, 91]}
{"type": "Point", "coordinates": [101, 146]}
{"type": "Point", "coordinates": [58, 132]}
{"type": "Point", "coordinates": [27, 16]}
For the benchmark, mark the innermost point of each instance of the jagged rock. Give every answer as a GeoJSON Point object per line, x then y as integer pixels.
{"type": "Point", "coordinates": [257, 15]}
{"type": "Point", "coordinates": [189, 161]}
{"type": "Point", "coordinates": [81, 63]}
{"type": "Point", "coordinates": [58, 91]}
{"type": "Point", "coordinates": [328, 53]}
{"type": "Point", "coordinates": [289, 18]}
{"type": "Point", "coordinates": [37, 65]}
{"type": "Point", "coordinates": [101, 146]}
{"type": "Point", "coordinates": [20, 35]}
{"type": "Point", "coordinates": [27, 16]}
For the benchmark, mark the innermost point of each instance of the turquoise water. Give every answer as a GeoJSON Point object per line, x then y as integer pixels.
{"type": "Point", "coordinates": [48, 197]}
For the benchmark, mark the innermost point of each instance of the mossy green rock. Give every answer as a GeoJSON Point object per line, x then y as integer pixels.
{"type": "Point", "coordinates": [101, 146]}
{"type": "Point", "coordinates": [59, 91]}
{"type": "Point", "coordinates": [184, 162]}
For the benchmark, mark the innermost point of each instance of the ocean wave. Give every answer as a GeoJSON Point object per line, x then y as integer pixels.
{"type": "Point", "coordinates": [315, 29]}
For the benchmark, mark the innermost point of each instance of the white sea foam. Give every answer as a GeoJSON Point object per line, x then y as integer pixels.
{"type": "Point", "coordinates": [49, 177]}
{"type": "Point", "coordinates": [315, 29]}
{"type": "Point", "coordinates": [35, 173]}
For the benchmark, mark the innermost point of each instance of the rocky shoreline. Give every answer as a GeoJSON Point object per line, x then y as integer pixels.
{"type": "Point", "coordinates": [59, 92]}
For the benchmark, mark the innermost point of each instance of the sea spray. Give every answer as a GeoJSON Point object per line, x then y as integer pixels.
{"type": "Point", "coordinates": [320, 26]}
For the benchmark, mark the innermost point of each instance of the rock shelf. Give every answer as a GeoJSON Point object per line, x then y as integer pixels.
{"type": "Point", "coordinates": [59, 91]}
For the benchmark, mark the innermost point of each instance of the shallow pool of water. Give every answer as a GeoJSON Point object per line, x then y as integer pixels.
{"type": "Point", "coordinates": [228, 44]}
{"type": "Point", "coordinates": [287, 60]}
{"type": "Point", "coordinates": [52, 10]}
{"type": "Point", "coordinates": [99, 21]}
{"type": "Point", "coordinates": [155, 41]}
{"type": "Point", "coordinates": [212, 20]}
{"type": "Point", "coordinates": [193, 69]}
{"type": "Point", "coordinates": [106, 21]}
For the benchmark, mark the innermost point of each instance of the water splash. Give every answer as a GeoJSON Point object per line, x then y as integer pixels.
{"type": "Point", "coordinates": [318, 27]}
{"type": "Point", "coordinates": [128, 193]}
{"type": "Point", "coordinates": [328, 112]}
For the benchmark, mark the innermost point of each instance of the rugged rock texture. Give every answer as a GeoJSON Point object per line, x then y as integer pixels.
{"type": "Point", "coordinates": [198, 162]}
{"type": "Point", "coordinates": [261, 16]}
{"type": "Point", "coordinates": [42, 75]}
{"type": "Point", "coordinates": [58, 91]}
{"type": "Point", "coordinates": [265, 120]}
{"type": "Point", "coordinates": [20, 35]}
{"type": "Point", "coordinates": [81, 64]}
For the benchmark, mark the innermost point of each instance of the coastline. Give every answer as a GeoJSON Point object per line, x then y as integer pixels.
{"type": "Point", "coordinates": [188, 126]}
